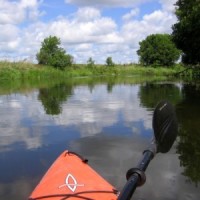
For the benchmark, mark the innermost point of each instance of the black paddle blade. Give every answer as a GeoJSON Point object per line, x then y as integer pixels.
{"type": "Point", "coordinates": [165, 126]}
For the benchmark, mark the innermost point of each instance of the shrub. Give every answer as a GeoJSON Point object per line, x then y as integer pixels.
{"type": "Point", "coordinates": [158, 49]}
{"type": "Point", "coordinates": [51, 54]}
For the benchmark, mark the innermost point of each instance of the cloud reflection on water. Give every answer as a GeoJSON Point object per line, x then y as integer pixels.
{"type": "Point", "coordinates": [101, 109]}
{"type": "Point", "coordinates": [24, 120]}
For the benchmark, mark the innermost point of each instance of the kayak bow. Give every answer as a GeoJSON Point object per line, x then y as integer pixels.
{"type": "Point", "coordinates": [70, 176]}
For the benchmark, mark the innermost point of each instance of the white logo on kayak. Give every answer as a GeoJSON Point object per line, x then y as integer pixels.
{"type": "Point", "coordinates": [71, 183]}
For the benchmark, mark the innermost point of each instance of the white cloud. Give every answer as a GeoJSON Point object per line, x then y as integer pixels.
{"type": "Point", "coordinates": [13, 40]}
{"type": "Point", "coordinates": [84, 33]}
{"type": "Point", "coordinates": [86, 26]}
{"type": "Point", "coordinates": [87, 14]}
{"type": "Point", "coordinates": [161, 19]}
{"type": "Point", "coordinates": [8, 32]}
{"type": "Point", "coordinates": [9, 38]}
{"type": "Point", "coordinates": [8, 14]}
{"type": "Point", "coordinates": [107, 3]}
{"type": "Point", "coordinates": [136, 30]}
{"type": "Point", "coordinates": [15, 12]}
{"type": "Point", "coordinates": [29, 3]}
{"type": "Point", "coordinates": [83, 47]}
{"type": "Point", "coordinates": [168, 5]}
{"type": "Point", "coordinates": [134, 12]}
{"type": "Point", "coordinates": [77, 33]}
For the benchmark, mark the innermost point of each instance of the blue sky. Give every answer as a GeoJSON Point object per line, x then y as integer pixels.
{"type": "Point", "coordinates": [87, 28]}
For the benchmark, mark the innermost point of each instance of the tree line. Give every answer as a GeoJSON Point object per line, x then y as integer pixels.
{"type": "Point", "coordinates": [156, 49]}
{"type": "Point", "coordinates": [53, 55]}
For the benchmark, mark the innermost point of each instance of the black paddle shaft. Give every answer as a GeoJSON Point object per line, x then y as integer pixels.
{"type": "Point", "coordinates": [136, 176]}
{"type": "Point", "coordinates": [165, 131]}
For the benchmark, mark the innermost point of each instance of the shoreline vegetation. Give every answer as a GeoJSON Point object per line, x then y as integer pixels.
{"type": "Point", "coordinates": [26, 71]}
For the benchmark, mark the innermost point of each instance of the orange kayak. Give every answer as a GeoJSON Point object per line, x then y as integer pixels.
{"type": "Point", "coordinates": [70, 177]}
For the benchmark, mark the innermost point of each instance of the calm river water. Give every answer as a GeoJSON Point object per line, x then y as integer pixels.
{"type": "Point", "coordinates": [108, 121]}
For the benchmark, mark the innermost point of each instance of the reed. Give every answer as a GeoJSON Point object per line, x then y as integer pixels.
{"type": "Point", "coordinates": [23, 70]}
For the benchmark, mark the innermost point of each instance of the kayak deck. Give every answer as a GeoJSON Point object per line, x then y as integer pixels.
{"type": "Point", "coordinates": [70, 177]}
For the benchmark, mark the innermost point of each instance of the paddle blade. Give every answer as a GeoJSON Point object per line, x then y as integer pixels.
{"type": "Point", "coordinates": [165, 126]}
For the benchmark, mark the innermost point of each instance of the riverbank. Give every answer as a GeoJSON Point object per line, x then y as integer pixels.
{"type": "Point", "coordinates": [23, 70]}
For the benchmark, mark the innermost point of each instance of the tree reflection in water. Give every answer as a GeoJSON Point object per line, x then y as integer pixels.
{"type": "Point", "coordinates": [53, 97]}
{"type": "Point", "coordinates": [188, 147]}
{"type": "Point", "coordinates": [186, 100]}
{"type": "Point", "coordinates": [151, 93]}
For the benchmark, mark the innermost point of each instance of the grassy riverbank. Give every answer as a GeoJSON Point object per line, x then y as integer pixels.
{"type": "Point", "coordinates": [23, 70]}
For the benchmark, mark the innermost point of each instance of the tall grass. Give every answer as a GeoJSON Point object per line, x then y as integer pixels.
{"type": "Point", "coordinates": [22, 70]}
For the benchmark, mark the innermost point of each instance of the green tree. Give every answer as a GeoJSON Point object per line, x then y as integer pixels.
{"type": "Point", "coordinates": [158, 49]}
{"type": "Point", "coordinates": [186, 33]}
{"type": "Point", "coordinates": [51, 54]}
{"type": "Point", "coordinates": [90, 62]}
{"type": "Point", "coordinates": [109, 61]}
